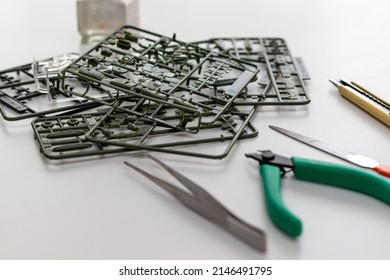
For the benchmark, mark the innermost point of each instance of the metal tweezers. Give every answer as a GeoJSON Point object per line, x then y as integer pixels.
{"type": "Point", "coordinates": [204, 204]}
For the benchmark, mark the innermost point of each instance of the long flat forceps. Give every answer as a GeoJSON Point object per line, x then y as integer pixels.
{"type": "Point", "coordinates": [198, 200]}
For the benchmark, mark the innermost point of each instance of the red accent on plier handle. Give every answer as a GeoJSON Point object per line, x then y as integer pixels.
{"type": "Point", "coordinates": [383, 170]}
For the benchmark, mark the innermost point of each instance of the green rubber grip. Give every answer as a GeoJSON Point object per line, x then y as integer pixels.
{"type": "Point", "coordinates": [277, 211]}
{"type": "Point", "coordinates": [346, 177]}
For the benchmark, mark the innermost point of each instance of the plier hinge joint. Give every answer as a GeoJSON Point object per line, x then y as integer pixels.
{"type": "Point", "coordinates": [268, 157]}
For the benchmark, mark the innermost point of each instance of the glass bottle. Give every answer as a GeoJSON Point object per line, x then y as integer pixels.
{"type": "Point", "coordinates": [98, 18]}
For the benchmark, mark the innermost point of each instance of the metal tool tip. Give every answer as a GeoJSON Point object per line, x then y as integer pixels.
{"type": "Point", "coordinates": [275, 127]}
{"type": "Point", "coordinates": [254, 155]}
{"type": "Point", "coordinates": [334, 82]}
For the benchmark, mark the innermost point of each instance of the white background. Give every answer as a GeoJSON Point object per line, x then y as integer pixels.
{"type": "Point", "coordinates": [99, 209]}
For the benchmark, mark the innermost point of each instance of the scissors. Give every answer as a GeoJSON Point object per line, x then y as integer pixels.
{"type": "Point", "coordinates": [198, 200]}
{"type": "Point", "coordinates": [273, 167]}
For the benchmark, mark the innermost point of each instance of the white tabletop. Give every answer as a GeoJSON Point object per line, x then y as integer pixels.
{"type": "Point", "coordinates": [99, 209]}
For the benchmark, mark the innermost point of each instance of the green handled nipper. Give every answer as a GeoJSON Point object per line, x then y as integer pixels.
{"type": "Point", "coordinates": [273, 167]}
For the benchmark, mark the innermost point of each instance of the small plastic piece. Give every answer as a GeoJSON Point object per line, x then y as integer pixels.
{"type": "Point", "coordinates": [280, 80]}
{"type": "Point", "coordinates": [33, 89]}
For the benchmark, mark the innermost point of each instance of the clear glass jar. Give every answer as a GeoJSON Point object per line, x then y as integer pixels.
{"type": "Point", "coordinates": [98, 18]}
